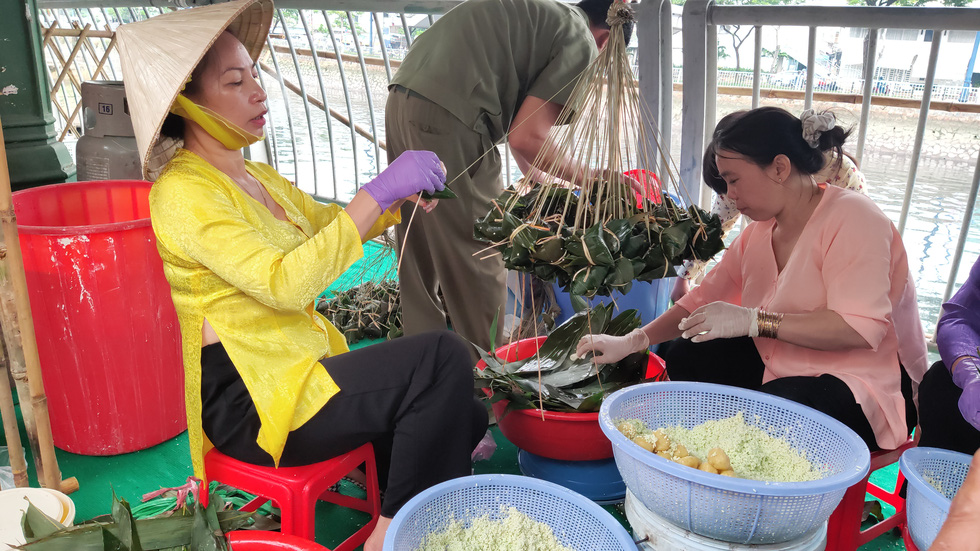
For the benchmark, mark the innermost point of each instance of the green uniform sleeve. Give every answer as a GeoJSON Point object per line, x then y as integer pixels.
{"type": "Point", "coordinates": [570, 56]}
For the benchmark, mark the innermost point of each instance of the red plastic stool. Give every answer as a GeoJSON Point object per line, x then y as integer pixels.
{"type": "Point", "coordinates": [907, 538]}
{"type": "Point", "coordinates": [259, 540]}
{"type": "Point", "coordinates": [296, 489]}
{"type": "Point", "coordinates": [844, 526]}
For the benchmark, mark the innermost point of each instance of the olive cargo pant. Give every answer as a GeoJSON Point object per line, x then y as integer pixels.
{"type": "Point", "coordinates": [440, 254]}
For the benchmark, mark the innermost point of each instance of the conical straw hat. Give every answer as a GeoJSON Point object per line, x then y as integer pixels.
{"type": "Point", "coordinates": [159, 54]}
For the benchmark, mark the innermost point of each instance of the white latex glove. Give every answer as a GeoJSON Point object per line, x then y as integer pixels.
{"type": "Point", "coordinates": [720, 320]}
{"type": "Point", "coordinates": [608, 349]}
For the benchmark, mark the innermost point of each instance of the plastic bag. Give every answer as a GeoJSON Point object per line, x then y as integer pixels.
{"type": "Point", "coordinates": [484, 450]}
{"type": "Point", "coordinates": [6, 471]}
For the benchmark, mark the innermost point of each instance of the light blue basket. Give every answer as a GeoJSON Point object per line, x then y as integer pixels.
{"type": "Point", "coordinates": [926, 506]}
{"type": "Point", "coordinates": [733, 509]}
{"type": "Point", "coordinates": [576, 521]}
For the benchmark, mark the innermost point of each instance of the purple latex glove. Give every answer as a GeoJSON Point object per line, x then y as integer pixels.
{"type": "Point", "coordinates": [412, 172]}
{"type": "Point", "coordinates": [967, 377]}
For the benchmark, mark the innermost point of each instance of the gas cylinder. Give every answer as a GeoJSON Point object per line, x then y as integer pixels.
{"type": "Point", "coordinates": [107, 148]}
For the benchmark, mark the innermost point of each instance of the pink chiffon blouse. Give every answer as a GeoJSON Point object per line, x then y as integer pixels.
{"type": "Point", "coordinates": [849, 259]}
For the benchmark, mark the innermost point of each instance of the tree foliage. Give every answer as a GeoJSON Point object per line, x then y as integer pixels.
{"type": "Point", "coordinates": [740, 33]}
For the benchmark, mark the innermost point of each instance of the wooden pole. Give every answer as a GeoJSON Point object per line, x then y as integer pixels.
{"type": "Point", "coordinates": [17, 322]}
{"type": "Point", "coordinates": [15, 449]}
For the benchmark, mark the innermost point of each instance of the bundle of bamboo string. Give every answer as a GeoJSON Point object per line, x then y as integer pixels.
{"type": "Point", "coordinates": [589, 233]}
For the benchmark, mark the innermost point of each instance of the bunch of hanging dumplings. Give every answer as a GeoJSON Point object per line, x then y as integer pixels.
{"type": "Point", "coordinates": [591, 234]}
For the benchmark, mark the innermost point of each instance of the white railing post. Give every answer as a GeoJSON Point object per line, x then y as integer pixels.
{"type": "Point", "coordinates": [920, 128]}
{"type": "Point", "coordinates": [692, 111]}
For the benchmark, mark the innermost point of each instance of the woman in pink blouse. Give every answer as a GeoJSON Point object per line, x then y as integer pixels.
{"type": "Point", "coordinates": [813, 301]}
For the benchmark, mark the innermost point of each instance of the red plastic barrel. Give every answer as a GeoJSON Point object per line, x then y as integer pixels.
{"type": "Point", "coordinates": [107, 334]}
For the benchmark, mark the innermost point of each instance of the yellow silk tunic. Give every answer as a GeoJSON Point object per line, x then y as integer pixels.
{"type": "Point", "coordinates": [254, 278]}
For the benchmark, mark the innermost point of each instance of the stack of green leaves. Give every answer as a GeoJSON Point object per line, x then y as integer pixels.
{"type": "Point", "coordinates": [192, 527]}
{"type": "Point", "coordinates": [541, 235]}
{"type": "Point", "coordinates": [368, 311]}
{"type": "Point", "coordinates": [557, 380]}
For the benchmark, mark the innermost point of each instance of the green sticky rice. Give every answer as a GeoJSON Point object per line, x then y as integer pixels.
{"type": "Point", "coordinates": [513, 532]}
{"type": "Point", "coordinates": [754, 453]}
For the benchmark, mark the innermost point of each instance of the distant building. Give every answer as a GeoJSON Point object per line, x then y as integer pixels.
{"type": "Point", "coordinates": [903, 55]}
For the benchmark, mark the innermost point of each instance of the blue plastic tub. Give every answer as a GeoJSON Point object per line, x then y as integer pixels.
{"type": "Point", "coordinates": [650, 299]}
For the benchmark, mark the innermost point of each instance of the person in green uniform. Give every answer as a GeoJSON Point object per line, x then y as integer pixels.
{"type": "Point", "coordinates": [485, 70]}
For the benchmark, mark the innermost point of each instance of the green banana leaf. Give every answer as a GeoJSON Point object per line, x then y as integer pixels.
{"type": "Point", "coordinates": [587, 280]}
{"type": "Point", "coordinates": [173, 532]}
{"type": "Point", "coordinates": [445, 193]}
{"type": "Point", "coordinates": [621, 276]}
{"type": "Point", "coordinates": [674, 239]}
{"type": "Point", "coordinates": [655, 264]}
{"type": "Point", "coordinates": [490, 227]}
{"type": "Point", "coordinates": [635, 246]}
{"type": "Point", "coordinates": [525, 236]}
{"type": "Point", "coordinates": [547, 272]}
{"type": "Point", "coordinates": [572, 374]}
{"type": "Point", "coordinates": [549, 249]}
{"type": "Point", "coordinates": [517, 258]}
{"type": "Point", "coordinates": [579, 304]}
{"type": "Point", "coordinates": [565, 384]}
{"type": "Point", "coordinates": [595, 248]}
{"type": "Point", "coordinates": [617, 233]}
{"type": "Point", "coordinates": [36, 524]}
{"type": "Point", "coordinates": [706, 238]}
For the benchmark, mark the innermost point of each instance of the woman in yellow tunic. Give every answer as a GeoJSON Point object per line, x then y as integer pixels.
{"type": "Point", "coordinates": [268, 379]}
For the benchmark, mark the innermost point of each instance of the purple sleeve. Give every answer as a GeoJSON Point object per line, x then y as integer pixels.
{"type": "Point", "coordinates": [958, 333]}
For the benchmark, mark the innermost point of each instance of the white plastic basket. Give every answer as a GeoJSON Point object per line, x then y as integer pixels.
{"type": "Point", "coordinates": [934, 477]}
{"type": "Point", "coordinates": [733, 509]}
{"type": "Point", "coordinates": [576, 521]}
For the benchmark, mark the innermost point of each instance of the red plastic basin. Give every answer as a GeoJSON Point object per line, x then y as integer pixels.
{"type": "Point", "coordinates": [552, 434]}
{"type": "Point", "coordinates": [260, 540]}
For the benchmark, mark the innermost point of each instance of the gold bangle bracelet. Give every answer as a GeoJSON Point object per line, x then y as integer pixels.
{"type": "Point", "coordinates": [768, 323]}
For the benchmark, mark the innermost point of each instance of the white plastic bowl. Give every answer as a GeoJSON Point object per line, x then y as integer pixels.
{"type": "Point", "coordinates": [13, 504]}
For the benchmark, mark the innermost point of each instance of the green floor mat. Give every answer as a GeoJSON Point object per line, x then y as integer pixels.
{"type": "Point", "coordinates": [377, 264]}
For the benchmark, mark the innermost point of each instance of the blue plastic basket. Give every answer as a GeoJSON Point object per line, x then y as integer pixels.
{"type": "Point", "coordinates": [576, 521]}
{"type": "Point", "coordinates": [733, 509]}
{"type": "Point", "coordinates": [926, 505]}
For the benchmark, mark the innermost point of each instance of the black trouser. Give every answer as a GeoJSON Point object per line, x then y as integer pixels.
{"type": "Point", "coordinates": [942, 423]}
{"type": "Point", "coordinates": [412, 398]}
{"type": "Point", "coordinates": [736, 362]}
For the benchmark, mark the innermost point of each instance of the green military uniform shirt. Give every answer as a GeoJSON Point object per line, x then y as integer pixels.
{"type": "Point", "coordinates": [484, 57]}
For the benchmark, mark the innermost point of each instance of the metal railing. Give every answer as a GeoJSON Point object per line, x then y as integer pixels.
{"type": "Point", "coordinates": [326, 72]}
{"type": "Point", "coordinates": [797, 80]}
{"type": "Point", "coordinates": [327, 84]}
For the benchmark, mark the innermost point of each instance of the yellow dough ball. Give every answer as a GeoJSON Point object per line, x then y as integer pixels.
{"type": "Point", "coordinates": [628, 429]}
{"type": "Point", "coordinates": [719, 459]}
{"type": "Point", "coordinates": [644, 443]}
{"type": "Point", "coordinates": [663, 442]}
{"type": "Point", "coordinates": [681, 451]}
{"type": "Point", "coordinates": [706, 467]}
{"type": "Point", "coordinates": [665, 454]}
{"type": "Point", "coordinates": [688, 461]}
{"type": "Point", "coordinates": [729, 472]}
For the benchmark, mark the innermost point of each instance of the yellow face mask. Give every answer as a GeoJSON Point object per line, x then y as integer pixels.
{"type": "Point", "coordinates": [228, 133]}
